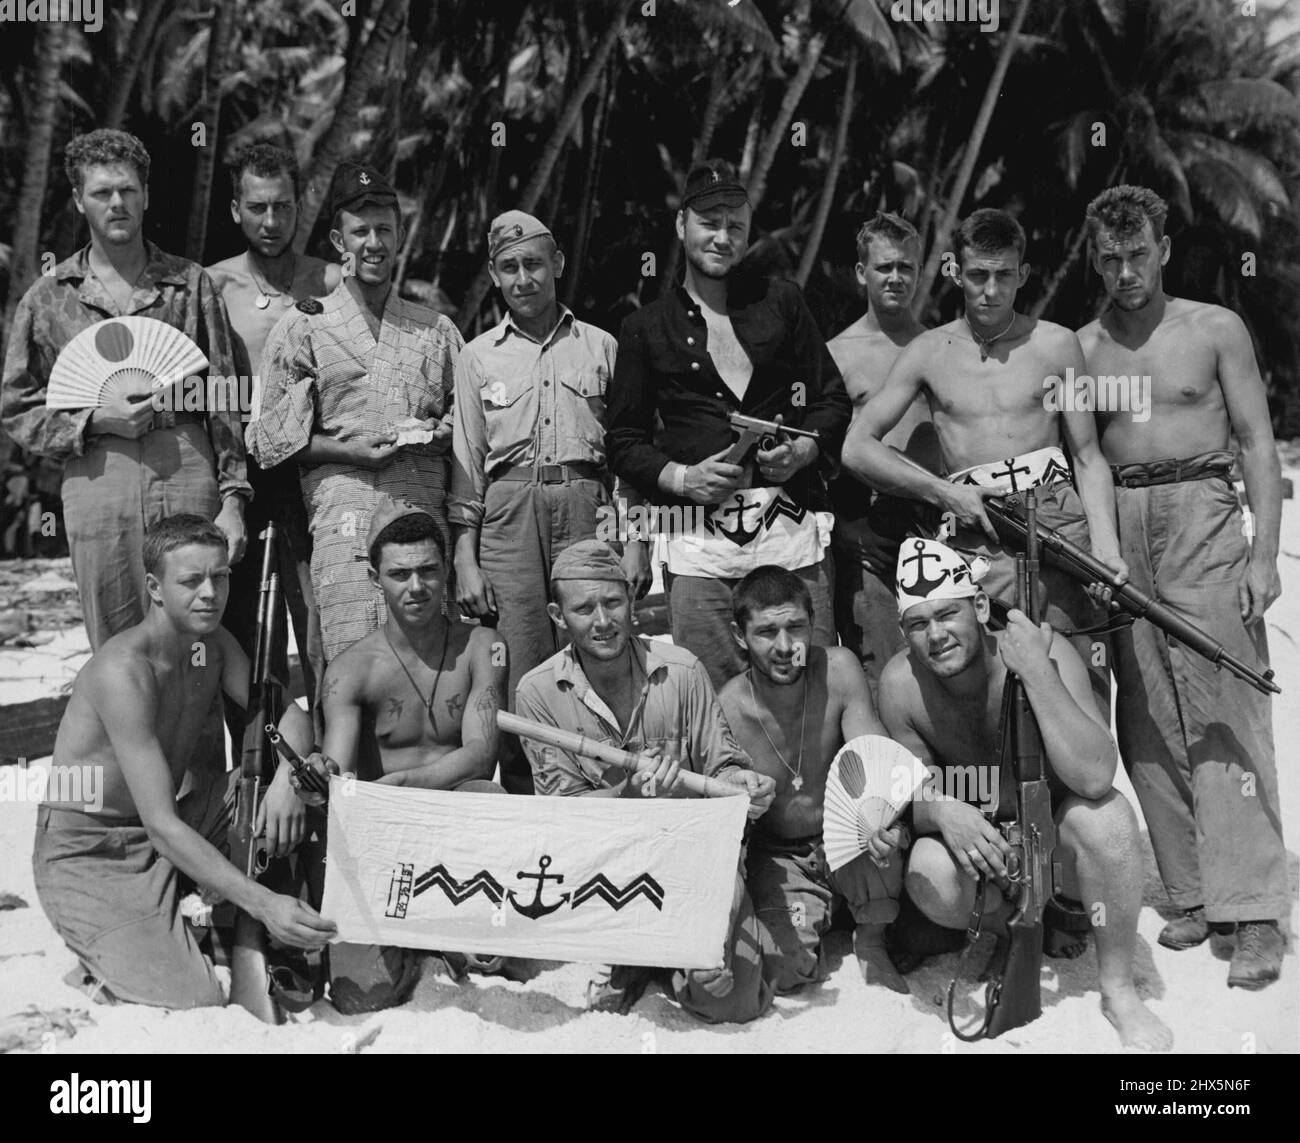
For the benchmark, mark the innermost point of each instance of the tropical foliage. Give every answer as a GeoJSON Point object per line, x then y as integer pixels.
{"type": "Point", "coordinates": [589, 113]}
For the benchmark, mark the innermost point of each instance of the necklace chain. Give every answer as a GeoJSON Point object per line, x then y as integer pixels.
{"type": "Point", "coordinates": [428, 703]}
{"type": "Point", "coordinates": [796, 771]}
{"type": "Point", "coordinates": [263, 283]}
{"type": "Point", "coordinates": [986, 342]}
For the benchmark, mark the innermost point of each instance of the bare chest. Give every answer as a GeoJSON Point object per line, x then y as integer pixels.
{"type": "Point", "coordinates": [414, 703]}
{"type": "Point", "coordinates": [1174, 368]}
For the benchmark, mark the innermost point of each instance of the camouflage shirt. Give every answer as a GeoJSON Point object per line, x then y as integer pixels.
{"type": "Point", "coordinates": [59, 306]}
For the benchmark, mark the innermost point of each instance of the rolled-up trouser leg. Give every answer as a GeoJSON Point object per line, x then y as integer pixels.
{"type": "Point", "coordinates": [525, 526]}
{"type": "Point", "coordinates": [751, 991]}
{"type": "Point", "coordinates": [872, 893]}
{"type": "Point", "coordinates": [792, 902]}
{"type": "Point", "coordinates": [1198, 743]}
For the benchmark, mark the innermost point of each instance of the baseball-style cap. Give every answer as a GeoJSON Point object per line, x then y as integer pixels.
{"type": "Point", "coordinates": [588, 559]}
{"type": "Point", "coordinates": [713, 183]}
{"type": "Point", "coordinates": [388, 510]}
{"type": "Point", "coordinates": [510, 229]}
{"type": "Point", "coordinates": [356, 185]}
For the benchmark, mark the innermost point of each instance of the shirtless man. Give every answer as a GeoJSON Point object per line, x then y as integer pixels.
{"type": "Point", "coordinates": [258, 285]}
{"type": "Point", "coordinates": [942, 699]}
{"type": "Point", "coordinates": [792, 888]}
{"type": "Point", "coordinates": [412, 704]}
{"type": "Point", "coordinates": [984, 376]}
{"type": "Point", "coordinates": [1197, 742]}
{"type": "Point", "coordinates": [109, 879]}
{"type": "Point", "coordinates": [868, 527]}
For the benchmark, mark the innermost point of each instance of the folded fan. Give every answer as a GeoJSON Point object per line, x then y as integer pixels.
{"type": "Point", "coordinates": [127, 356]}
{"type": "Point", "coordinates": [870, 782]}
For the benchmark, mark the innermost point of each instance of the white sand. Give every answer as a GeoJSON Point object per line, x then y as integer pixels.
{"type": "Point", "coordinates": [1186, 989]}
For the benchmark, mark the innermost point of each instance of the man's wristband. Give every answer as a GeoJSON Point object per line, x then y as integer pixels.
{"type": "Point", "coordinates": [679, 480]}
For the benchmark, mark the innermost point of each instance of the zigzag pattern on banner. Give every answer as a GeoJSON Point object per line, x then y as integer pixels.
{"type": "Point", "coordinates": [460, 891]}
{"type": "Point", "coordinates": [601, 886]}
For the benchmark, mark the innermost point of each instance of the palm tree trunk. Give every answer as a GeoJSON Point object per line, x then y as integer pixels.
{"type": "Point", "coordinates": [753, 132]}
{"type": "Point", "coordinates": [129, 66]}
{"type": "Point", "coordinates": [223, 25]}
{"type": "Point", "coordinates": [333, 146]}
{"type": "Point", "coordinates": [591, 182]}
{"type": "Point", "coordinates": [532, 193]}
{"type": "Point", "coordinates": [793, 93]}
{"type": "Point", "coordinates": [809, 257]}
{"type": "Point", "coordinates": [944, 230]}
{"type": "Point", "coordinates": [36, 164]}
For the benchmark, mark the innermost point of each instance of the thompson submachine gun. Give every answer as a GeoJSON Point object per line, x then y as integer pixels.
{"type": "Point", "coordinates": [1024, 815]}
{"type": "Point", "coordinates": [764, 434]}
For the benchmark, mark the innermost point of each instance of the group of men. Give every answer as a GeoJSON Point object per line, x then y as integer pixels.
{"type": "Point", "coordinates": [455, 519]}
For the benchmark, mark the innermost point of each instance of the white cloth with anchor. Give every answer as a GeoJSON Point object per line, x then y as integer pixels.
{"type": "Point", "coordinates": [596, 880]}
{"type": "Point", "coordinates": [752, 527]}
{"type": "Point", "coordinates": [1017, 473]}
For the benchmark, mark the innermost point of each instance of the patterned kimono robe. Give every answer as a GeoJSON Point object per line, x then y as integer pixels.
{"type": "Point", "coordinates": [324, 373]}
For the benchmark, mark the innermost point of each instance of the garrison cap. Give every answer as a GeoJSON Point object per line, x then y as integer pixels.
{"type": "Point", "coordinates": [588, 559]}
{"type": "Point", "coordinates": [388, 510]}
{"type": "Point", "coordinates": [510, 229]}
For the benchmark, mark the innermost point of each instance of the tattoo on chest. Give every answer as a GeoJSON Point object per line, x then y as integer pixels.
{"type": "Point", "coordinates": [487, 706]}
{"type": "Point", "coordinates": [394, 709]}
{"type": "Point", "coordinates": [455, 705]}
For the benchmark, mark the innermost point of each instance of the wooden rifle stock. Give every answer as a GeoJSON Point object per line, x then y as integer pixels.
{"type": "Point", "coordinates": [250, 977]}
{"type": "Point", "coordinates": [585, 747]}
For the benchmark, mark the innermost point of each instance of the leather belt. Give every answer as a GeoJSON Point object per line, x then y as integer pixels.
{"type": "Point", "coordinates": [549, 473]}
{"type": "Point", "coordinates": [1206, 466]}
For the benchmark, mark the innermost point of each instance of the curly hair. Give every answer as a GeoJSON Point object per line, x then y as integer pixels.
{"type": "Point", "coordinates": [99, 148]}
{"type": "Point", "coordinates": [1123, 210]}
{"type": "Point", "coordinates": [179, 531]}
{"type": "Point", "coordinates": [889, 226]}
{"type": "Point", "coordinates": [265, 160]}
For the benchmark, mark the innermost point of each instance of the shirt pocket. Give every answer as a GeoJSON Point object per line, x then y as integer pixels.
{"type": "Point", "coordinates": [582, 411]}
{"type": "Point", "coordinates": [509, 411]}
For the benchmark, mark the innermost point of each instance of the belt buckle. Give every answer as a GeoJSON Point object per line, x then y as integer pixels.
{"type": "Point", "coordinates": [550, 474]}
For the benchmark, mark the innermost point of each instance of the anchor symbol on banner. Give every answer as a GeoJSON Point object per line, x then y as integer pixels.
{"type": "Point", "coordinates": [739, 535]}
{"type": "Point", "coordinates": [922, 584]}
{"type": "Point", "coordinates": [535, 908]}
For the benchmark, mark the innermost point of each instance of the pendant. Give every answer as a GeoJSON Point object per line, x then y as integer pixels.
{"type": "Point", "coordinates": [288, 298]}
{"type": "Point", "coordinates": [797, 783]}
{"type": "Point", "coordinates": [984, 351]}
{"type": "Point", "coordinates": [262, 301]}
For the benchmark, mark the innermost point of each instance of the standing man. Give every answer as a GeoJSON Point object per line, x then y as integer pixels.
{"type": "Point", "coordinates": [128, 463]}
{"type": "Point", "coordinates": [257, 287]}
{"type": "Point", "coordinates": [529, 475]}
{"type": "Point", "coordinates": [988, 377]}
{"type": "Point", "coordinates": [648, 698]}
{"type": "Point", "coordinates": [791, 711]}
{"type": "Point", "coordinates": [942, 699]}
{"type": "Point", "coordinates": [1197, 742]}
{"type": "Point", "coordinates": [723, 342]}
{"type": "Point", "coordinates": [355, 392]}
{"type": "Point", "coordinates": [869, 526]}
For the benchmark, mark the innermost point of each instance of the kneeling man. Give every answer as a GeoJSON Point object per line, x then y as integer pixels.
{"type": "Point", "coordinates": [792, 710]}
{"type": "Point", "coordinates": [942, 699]}
{"type": "Point", "coordinates": [412, 704]}
{"type": "Point", "coordinates": [649, 698]}
{"type": "Point", "coordinates": [108, 868]}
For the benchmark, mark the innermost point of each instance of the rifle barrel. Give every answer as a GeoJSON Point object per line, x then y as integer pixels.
{"type": "Point", "coordinates": [1086, 568]}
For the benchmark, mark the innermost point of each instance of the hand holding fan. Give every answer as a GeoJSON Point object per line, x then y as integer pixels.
{"type": "Point", "coordinates": [131, 357]}
{"type": "Point", "coordinates": [870, 782]}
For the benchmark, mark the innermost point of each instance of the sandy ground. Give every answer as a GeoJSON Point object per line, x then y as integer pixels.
{"type": "Point", "coordinates": [545, 1014]}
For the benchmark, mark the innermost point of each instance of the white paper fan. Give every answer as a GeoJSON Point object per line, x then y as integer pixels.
{"type": "Point", "coordinates": [135, 356]}
{"type": "Point", "coordinates": [871, 780]}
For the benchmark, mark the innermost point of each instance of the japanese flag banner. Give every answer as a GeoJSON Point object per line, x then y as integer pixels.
{"type": "Point", "coordinates": [601, 880]}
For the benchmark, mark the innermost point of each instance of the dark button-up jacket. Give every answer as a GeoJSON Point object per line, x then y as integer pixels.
{"type": "Point", "coordinates": [663, 367]}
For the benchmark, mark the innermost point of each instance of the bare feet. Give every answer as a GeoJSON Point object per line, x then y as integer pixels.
{"type": "Point", "coordinates": [1137, 1025]}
